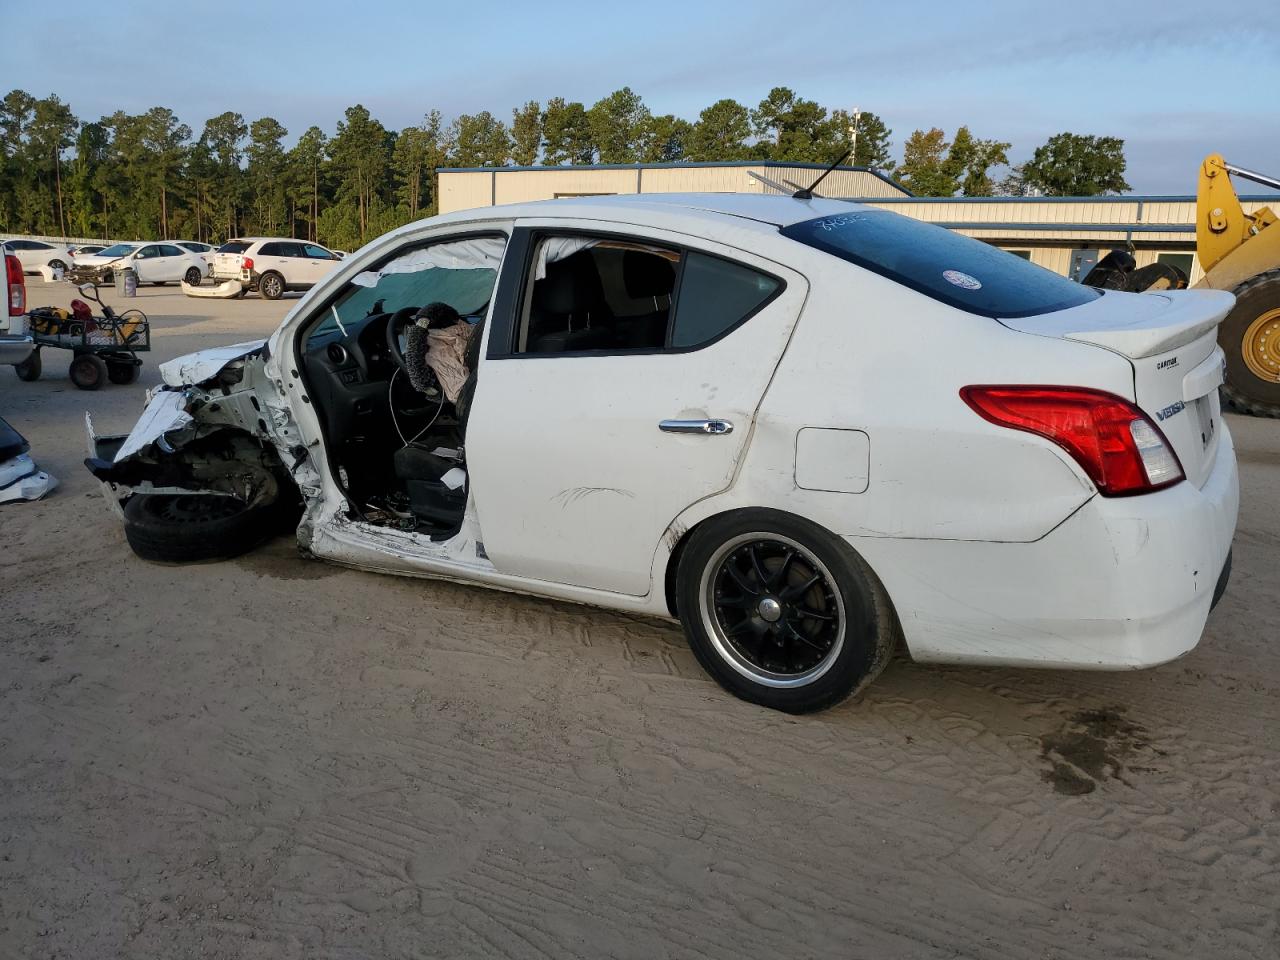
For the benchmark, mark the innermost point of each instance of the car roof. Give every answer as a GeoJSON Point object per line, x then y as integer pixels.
{"type": "Point", "coordinates": [776, 210]}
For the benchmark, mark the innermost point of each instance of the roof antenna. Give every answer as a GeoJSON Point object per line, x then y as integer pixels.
{"type": "Point", "coordinates": [806, 193]}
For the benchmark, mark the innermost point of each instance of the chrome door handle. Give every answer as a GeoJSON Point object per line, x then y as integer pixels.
{"type": "Point", "coordinates": [714, 427]}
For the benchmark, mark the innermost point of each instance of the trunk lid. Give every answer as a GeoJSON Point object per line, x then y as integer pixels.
{"type": "Point", "coordinates": [1170, 339]}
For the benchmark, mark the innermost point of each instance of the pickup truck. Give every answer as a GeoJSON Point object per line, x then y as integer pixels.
{"type": "Point", "coordinates": [15, 344]}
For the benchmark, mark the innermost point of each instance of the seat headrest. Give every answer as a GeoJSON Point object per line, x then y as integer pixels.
{"type": "Point", "coordinates": [647, 275]}
{"type": "Point", "coordinates": [570, 286]}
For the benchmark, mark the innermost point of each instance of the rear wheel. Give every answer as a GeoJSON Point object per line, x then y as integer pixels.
{"type": "Point", "coordinates": [1250, 338]}
{"type": "Point", "coordinates": [57, 265]}
{"type": "Point", "coordinates": [122, 372]}
{"type": "Point", "coordinates": [781, 612]}
{"type": "Point", "coordinates": [186, 528]}
{"type": "Point", "coordinates": [193, 277]}
{"type": "Point", "coordinates": [271, 286]}
{"type": "Point", "coordinates": [88, 371]}
{"type": "Point", "coordinates": [29, 369]}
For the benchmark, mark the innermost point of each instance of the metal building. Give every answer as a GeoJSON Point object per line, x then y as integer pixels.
{"type": "Point", "coordinates": [1065, 234]}
{"type": "Point", "coordinates": [464, 187]}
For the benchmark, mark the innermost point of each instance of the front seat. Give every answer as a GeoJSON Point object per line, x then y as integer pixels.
{"type": "Point", "coordinates": [569, 311]}
{"type": "Point", "coordinates": [423, 475]}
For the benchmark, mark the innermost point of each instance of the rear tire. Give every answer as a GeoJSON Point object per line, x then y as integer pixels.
{"type": "Point", "coordinates": [189, 528]}
{"type": "Point", "coordinates": [88, 371]}
{"type": "Point", "coordinates": [271, 286]}
{"type": "Point", "coordinates": [193, 277]}
{"type": "Point", "coordinates": [57, 265]}
{"type": "Point", "coordinates": [1250, 338]}
{"type": "Point", "coordinates": [122, 372]}
{"type": "Point", "coordinates": [782, 612]}
{"type": "Point", "coordinates": [30, 368]}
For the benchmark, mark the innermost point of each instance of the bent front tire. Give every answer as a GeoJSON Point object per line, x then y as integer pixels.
{"type": "Point", "coordinates": [188, 528]}
{"type": "Point", "coordinates": [781, 612]}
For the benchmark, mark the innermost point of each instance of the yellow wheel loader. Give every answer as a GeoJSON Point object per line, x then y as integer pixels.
{"type": "Point", "coordinates": [1240, 252]}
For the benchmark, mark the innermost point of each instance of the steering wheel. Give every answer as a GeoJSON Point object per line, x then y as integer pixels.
{"type": "Point", "coordinates": [395, 325]}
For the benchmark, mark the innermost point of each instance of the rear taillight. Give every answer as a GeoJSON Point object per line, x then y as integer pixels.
{"type": "Point", "coordinates": [1114, 442]}
{"type": "Point", "coordinates": [17, 285]}
{"type": "Point", "coordinates": [246, 262]}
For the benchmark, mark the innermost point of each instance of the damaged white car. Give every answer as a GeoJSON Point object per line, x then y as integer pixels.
{"type": "Point", "coordinates": [805, 428]}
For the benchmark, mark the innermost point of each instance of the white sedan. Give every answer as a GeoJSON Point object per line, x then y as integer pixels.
{"type": "Point", "coordinates": [805, 428]}
{"type": "Point", "coordinates": [34, 254]}
{"type": "Point", "coordinates": [157, 263]}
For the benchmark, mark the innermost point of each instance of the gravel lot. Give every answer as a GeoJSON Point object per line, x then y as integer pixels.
{"type": "Point", "coordinates": [278, 758]}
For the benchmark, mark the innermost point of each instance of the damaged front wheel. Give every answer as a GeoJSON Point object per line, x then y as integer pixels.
{"type": "Point", "coordinates": [186, 528]}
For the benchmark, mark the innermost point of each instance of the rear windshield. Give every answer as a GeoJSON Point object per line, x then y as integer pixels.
{"type": "Point", "coordinates": [959, 271]}
{"type": "Point", "coordinates": [234, 246]}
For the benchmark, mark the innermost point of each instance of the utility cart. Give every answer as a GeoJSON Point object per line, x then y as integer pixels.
{"type": "Point", "coordinates": [105, 347]}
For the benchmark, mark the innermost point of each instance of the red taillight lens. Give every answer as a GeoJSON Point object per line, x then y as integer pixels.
{"type": "Point", "coordinates": [1114, 442]}
{"type": "Point", "coordinates": [246, 262]}
{"type": "Point", "coordinates": [17, 285]}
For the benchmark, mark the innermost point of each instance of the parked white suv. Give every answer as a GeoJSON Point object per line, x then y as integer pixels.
{"type": "Point", "coordinates": [272, 265]}
{"type": "Point", "coordinates": [34, 254]}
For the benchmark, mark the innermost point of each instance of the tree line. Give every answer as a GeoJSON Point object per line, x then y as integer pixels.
{"type": "Point", "coordinates": [150, 176]}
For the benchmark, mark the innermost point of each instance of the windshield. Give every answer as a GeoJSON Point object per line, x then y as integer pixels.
{"type": "Point", "coordinates": [119, 250]}
{"type": "Point", "coordinates": [957, 270]}
{"type": "Point", "coordinates": [461, 273]}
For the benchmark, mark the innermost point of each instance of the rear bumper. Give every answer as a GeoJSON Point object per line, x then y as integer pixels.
{"type": "Point", "coordinates": [15, 349]}
{"type": "Point", "coordinates": [1122, 583]}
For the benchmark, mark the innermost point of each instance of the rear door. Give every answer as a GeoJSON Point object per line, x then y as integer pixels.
{"type": "Point", "coordinates": [280, 256]}
{"type": "Point", "coordinates": [585, 441]}
{"type": "Point", "coordinates": [171, 264]}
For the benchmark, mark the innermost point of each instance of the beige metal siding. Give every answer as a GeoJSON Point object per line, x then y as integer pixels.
{"type": "Point", "coordinates": [697, 180]}
{"type": "Point", "coordinates": [463, 189]}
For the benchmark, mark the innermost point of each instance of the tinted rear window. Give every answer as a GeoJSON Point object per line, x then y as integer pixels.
{"type": "Point", "coordinates": [715, 296]}
{"type": "Point", "coordinates": [234, 246]}
{"type": "Point", "coordinates": [959, 271]}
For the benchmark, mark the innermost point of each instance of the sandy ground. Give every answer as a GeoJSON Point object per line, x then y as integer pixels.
{"type": "Point", "coordinates": [277, 758]}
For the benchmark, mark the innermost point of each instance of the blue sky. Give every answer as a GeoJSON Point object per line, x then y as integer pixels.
{"type": "Point", "coordinates": [1176, 80]}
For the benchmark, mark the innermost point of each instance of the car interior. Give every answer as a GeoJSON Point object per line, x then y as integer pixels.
{"type": "Point", "coordinates": [395, 439]}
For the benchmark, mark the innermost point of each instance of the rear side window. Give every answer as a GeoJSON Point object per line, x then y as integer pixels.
{"type": "Point", "coordinates": [953, 269]}
{"type": "Point", "coordinates": [715, 296]}
{"type": "Point", "coordinates": [234, 246]}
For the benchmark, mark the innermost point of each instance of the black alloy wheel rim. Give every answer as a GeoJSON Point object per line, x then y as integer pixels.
{"type": "Point", "coordinates": [186, 508]}
{"type": "Point", "coordinates": [773, 610]}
